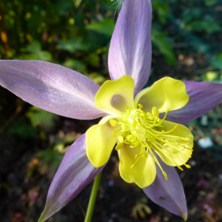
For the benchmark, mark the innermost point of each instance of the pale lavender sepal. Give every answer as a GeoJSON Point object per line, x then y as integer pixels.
{"type": "Point", "coordinates": [168, 194]}
{"type": "Point", "coordinates": [73, 174]}
{"type": "Point", "coordinates": [203, 97]}
{"type": "Point", "coordinates": [130, 47]}
{"type": "Point", "coordinates": [51, 87]}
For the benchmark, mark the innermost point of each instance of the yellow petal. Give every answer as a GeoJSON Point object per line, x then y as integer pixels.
{"type": "Point", "coordinates": [178, 147]}
{"type": "Point", "coordinates": [166, 94]}
{"type": "Point", "coordinates": [115, 96]}
{"type": "Point", "coordinates": [99, 143]}
{"type": "Point", "coordinates": [141, 171]}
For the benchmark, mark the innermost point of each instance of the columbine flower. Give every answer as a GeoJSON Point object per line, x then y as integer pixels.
{"type": "Point", "coordinates": [145, 129]}
{"type": "Point", "coordinates": [140, 129]}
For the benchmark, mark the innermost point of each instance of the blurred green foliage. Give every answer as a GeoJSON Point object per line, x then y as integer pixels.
{"type": "Point", "coordinates": [41, 118]}
{"type": "Point", "coordinates": [76, 33]}
{"type": "Point", "coordinates": [72, 32]}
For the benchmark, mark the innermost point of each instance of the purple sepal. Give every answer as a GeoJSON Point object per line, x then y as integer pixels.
{"type": "Point", "coordinates": [204, 96]}
{"type": "Point", "coordinates": [168, 194]}
{"type": "Point", "coordinates": [73, 174]}
{"type": "Point", "coordinates": [51, 87]}
{"type": "Point", "coordinates": [130, 48]}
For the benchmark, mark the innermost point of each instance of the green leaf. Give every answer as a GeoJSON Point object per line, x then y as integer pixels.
{"type": "Point", "coordinates": [97, 77]}
{"type": "Point", "coordinates": [50, 157]}
{"type": "Point", "coordinates": [210, 3]}
{"type": "Point", "coordinates": [212, 76]}
{"type": "Point", "coordinates": [77, 3]}
{"type": "Point", "coordinates": [34, 51]}
{"type": "Point", "coordinates": [104, 26]}
{"type": "Point", "coordinates": [72, 45]}
{"type": "Point", "coordinates": [41, 118]}
{"type": "Point", "coordinates": [75, 64]}
{"type": "Point", "coordinates": [207, 24]}
{"type": "Point", "coordinates": [162, 9]}
{"type": "Point", "coordinates": [93, 60]}
{"type": "Point", "coordinates": [164, 46]}
{"type": "Point", "coordinates": [217, 61]}
{"type": "Point", "coordinates": [22, 128]}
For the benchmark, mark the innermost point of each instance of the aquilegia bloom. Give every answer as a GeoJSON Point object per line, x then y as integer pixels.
{"type": "Point", "coordinates": [144, 126]}
{"type": "Point", "coordinates": [140, 134]}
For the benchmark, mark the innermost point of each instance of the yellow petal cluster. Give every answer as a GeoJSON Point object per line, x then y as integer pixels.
{"type": "Point", "coordinates": [139, 130]}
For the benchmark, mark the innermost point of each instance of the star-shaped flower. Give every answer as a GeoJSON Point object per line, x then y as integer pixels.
{"type": "Point", "coordinates": [143, 125]}
{"type": "Point", "coordinates": [139, 129]}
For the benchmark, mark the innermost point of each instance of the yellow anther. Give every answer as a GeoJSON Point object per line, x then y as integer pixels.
{"type": "Point", "coordinates": [180, 168]}
{"type": "Point", "coordinates": [120, 139]}
{"type": "Point", "coordinates": [113, 122]}
{"type": "Point", "coordinates": [139, 106]}
{"type": "Point", "coordinates": [187, 166]}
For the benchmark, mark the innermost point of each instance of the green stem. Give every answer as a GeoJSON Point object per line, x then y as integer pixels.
{"type": "Point", "coordinates": [92, 199]}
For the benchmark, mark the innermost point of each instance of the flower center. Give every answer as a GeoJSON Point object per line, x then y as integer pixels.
{"type": "Point", "coordinates": [138, 128]}
{"type": "Point", "coordinates": [148, 133]}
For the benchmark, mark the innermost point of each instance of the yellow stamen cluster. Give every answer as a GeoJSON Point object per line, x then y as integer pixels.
{"type": "Point", "coordinates": [147, 132]}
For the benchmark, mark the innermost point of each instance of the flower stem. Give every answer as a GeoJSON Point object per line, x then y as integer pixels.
{"type": "Point", "coordinates": [92, 199]}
